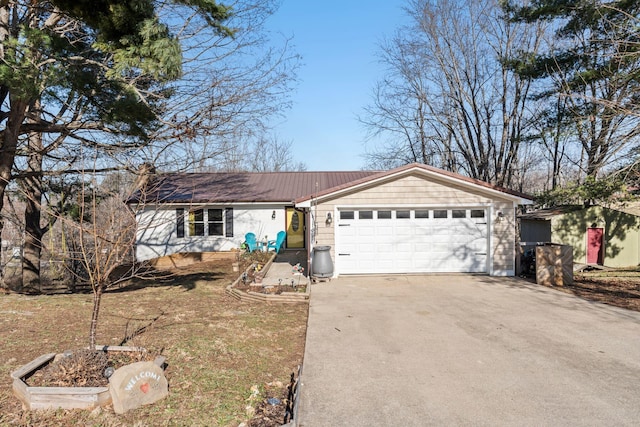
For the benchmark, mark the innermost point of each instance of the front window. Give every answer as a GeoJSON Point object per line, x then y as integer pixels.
{"type": "Point", "coordinates": [196, 222]}
{"type": "Point", "coordinates": [216, 222]}
{"type": "Point", "coordinates": [205, 222]}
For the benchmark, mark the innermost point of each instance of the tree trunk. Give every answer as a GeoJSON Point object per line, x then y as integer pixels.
{"type": "Point", "coordinates": [32, 187]}
{"type": "Point", "coordinates": [32, 249]}
{"type": "Point", "coordinates": [98, 288]}
{"type": "Point", "coordinates": [8, 146]}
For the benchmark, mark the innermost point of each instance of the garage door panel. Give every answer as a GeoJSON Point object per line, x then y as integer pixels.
{"type": "Point", "coordinates": [384, 247]}
{"type": "Point", "coordinates": [423, 231]}
{"type": "Point", "coordinates": [404, 231]}
{"type": "Point", "coordinates": [422, 248]}
{"type": "Point", "coordinates": [366, 231]}
{"type": "Point", "coordinates": [366, 249]}
{"type": "Point", "coordinates": [441, 247]}
{"type": "Point", "coordinates": [404, 265]}
{"type": "Point", "coordinates": [348, 248]}
{"type": "Point", "coordinates": [423, 264]}
{"type": "Point", "coordinates": [366, 241]}
{"type": "Point", "coordinates": [440, 231]}
{"type": "Point", "coordinates": [377, 267]}
{"type": "Point", "coordinates": [384, 230]}
{"type": "Point", "coordinates": [404, 247]}
{"type": "Point", "coordinates": [347, 231]}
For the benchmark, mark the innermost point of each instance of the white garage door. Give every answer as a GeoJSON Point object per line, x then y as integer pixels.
{"type": "Point", "coordinates": [412, 240]}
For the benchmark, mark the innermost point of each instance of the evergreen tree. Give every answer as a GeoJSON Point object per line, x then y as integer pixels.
{"type": "Point", "coordinates": [592, 65]}
{"type": "Point", "coordinates": [78, 75]}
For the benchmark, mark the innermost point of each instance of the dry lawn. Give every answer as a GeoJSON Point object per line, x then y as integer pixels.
{"type": "Point", "coordinates": [217, 348]}
{"type": "Point", "coordinates": [616, 287]}
{"type": "Point", "coordinates": [620, 288]}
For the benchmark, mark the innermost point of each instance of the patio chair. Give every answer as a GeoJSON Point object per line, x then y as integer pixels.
{"type": "Point", "coordinates": [250, 240]}
{"type": "Point", "coordinates": [276, 245]}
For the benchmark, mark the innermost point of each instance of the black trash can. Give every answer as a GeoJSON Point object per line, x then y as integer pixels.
{"type": "Point", "coordinates": [321, 263]}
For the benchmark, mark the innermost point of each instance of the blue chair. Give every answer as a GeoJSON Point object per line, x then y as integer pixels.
{"type": "Point", "coordinates": [276, 245]}
{"type": "Point", "coordinates": [250, 240]}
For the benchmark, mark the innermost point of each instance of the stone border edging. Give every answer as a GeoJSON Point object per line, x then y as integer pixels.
{"type": "Point", "coordinates": [285, 297]}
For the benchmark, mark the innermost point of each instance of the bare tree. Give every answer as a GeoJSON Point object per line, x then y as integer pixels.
{"type": "Point", "coordinates": [230, 90]}
{"type": "Point", "coordinates": [449, 99]}
{"type": "Point", "coordinates": [102, 236]}
{"type": "Point", "coordinates": [271, 155]}
{"type": "Point", "coordinates": [106, 244]}
{"type": "Point", "coordinates": [227, 90]}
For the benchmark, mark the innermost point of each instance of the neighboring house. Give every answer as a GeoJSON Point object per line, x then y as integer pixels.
{"type": "Point", "coordinates": [413, 219]}
{"type": "Point", "coordinates": [599, 235]}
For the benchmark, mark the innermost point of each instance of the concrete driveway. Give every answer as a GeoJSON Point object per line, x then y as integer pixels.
{"type": "Point", "coordinates": [466, 350]}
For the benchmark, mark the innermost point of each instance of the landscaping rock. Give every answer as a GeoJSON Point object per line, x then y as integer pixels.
{"type": "Point", "coordinates": [138, 384]}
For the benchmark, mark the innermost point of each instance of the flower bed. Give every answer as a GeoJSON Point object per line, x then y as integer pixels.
{"type": "Point", "coordinates": [253, 285]}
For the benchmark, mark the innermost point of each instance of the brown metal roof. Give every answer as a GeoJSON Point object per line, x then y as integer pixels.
{"type": "Point", "coordinates": [249, 187]}
{"type": "Point", "coordinates": [281, 187]}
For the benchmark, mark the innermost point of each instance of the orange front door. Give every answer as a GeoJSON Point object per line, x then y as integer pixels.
{"type": "Point", "coordinates": [295, 228]}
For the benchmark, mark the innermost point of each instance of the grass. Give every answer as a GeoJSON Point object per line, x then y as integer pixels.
{"type": "Point", "coordinates": [217, 348]}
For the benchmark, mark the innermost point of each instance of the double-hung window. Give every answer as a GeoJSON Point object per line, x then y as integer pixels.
{"type": "Point", "coordinates": [205, 222]}
{"type": "Point", "coordinates": [215, 221]}
{"type": "Point", "coordinates": [196, 222]}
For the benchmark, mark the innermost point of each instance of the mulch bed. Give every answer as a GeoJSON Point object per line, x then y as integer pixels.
{"type": "Point", "coordinates": [83, 368]}
{"type": "Point", "coordinates": [271, 410]}
{"type": "Point", "coordinates": [618, 291]}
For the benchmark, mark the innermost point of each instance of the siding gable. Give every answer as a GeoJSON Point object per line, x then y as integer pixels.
{"type": "Point", "coordinates": [411, 189]}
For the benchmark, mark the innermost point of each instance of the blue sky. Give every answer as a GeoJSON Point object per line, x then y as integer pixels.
{"type": "Point", "coordinates": [338, 42]}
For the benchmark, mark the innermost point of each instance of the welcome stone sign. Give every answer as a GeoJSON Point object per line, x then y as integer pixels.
{"type": "Point", "coordinates": [137, 384]}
